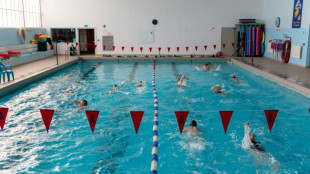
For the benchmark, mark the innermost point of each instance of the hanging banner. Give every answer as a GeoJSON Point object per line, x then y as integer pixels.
{"type": "Point", "coordinates": [186, 49]}
{"type": "Point", "coordinates": [113, 48]}
{"type": "Point", "coordinates": [168, 49]}
{"type": "Point", "coordinates": [104, 47]}
{"type": "Point", "coordinates": [86, 45]}
{"type": "Point", "coordinates": [224, 45]}
{"type": "Point", "coordinates": [297, 13]}
{"type": "Point", "coordinates": [131, 49]}
{"type": "Point", "coordinates": [47, 116]}
{"type": "Point", "coordinates": [226, 116]}
{"type": "Point", "coordinates": [206, 46]}
{"type": "Point", "coordinates": [150, 49]}
{"type": "Point", "coordinates": [159, 49]}
{"type": "Point", "coordinates": [92, 117]}
{"type": "Point", "coordinates": [136, 117]}
{"type": "Point", "coordinates": [178, 49]}
{"type": "Point", "coordinates": [123, 48]}
{"type": "Point", "coordinates": [233, 45]}
{"type": "Point", "coordinates": [271, 116]}
{"type": "Point", "coordinates": [214, 46]}
{"type": "Point", "coordinates": [95, 46]}
{"type": "Point", "coordinates": [67, 43]}
{"type": "Point", "coordinates": [3, 114]}
{"type": "Point", "coordinates": [76, 44]}
{"type": "Point", "coordinates": [181, 118]}
{"type": "Point", "coordinates": [141, 49]}
{"type": "Point", "coordinates": [196, 48]}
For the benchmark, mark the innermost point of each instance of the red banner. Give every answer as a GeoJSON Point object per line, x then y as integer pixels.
{"type": "Point", "coordinates": [150, 49]}
{"type": "Point", "coordinates": [141, 49]}
{"type": "Point", "coordinates": [136, 117]}
{"type": "Point", "coordinates": [67, 43]}
{"type": "Point", "coordinates": [181, 118]}
{"type": "Point", "coordinates": [86, 45]}
{"type": "Point", "coordinates": [226, 116]}
{"type": "Point", "coordinates": [104, 47]}
{"type": "Point", "coordinates": [214, 46]}
{"type": "Point", "coordinates": [47, 116]}
{"type": "Point", "coordinates": [196, 48]}
{"type": "Point", "coordinates": [3, 114]}
{"type": "Point", "coordinates": [92, 117]}
{"type": "Point", "coordinates": [178, 49]}
{"type": "Point", "coordinates": [186, 49]}
{"type": "Point", "coordinates": [233, 44]}
{"type": "Point", "coordinates": [113, 48]}
{"type": "Point", "coordinates": [95, 46]}
{"type": "Point", "coordinates": [224, 45]}
{"type": "Point", "coordinates": [206, 46]}
{"type": "Point", "coordinates": [159, 49]}
{"type": "Point", "coordinates": [271, 116]}
{"type": "Point", "coordinates": [168, 49]}
{"type": "Point", "coordinates": [131, 49]}
{"type": "Point", "coordinates": [123, 48]}
{"type": "Point", "coordinates": [76, 44]}
{"type": "Point", "coordinates": [242, 43]}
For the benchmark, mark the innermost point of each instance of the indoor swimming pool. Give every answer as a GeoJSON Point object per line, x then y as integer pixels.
{"type": "Point", "coordinates": [114, 147]}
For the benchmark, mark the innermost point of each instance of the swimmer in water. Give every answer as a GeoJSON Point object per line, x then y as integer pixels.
{"type": "Point", "coordinates": [113, 89]}
{"type": "Point", "coordinates": [192, 127]}
{"type": "Point", "coordinates": [180, 81]}
{"type": "Point", "coordinates": [207, 66]}
{"type": "Point", "coordinates": [82, 103]}
{"type": "Point", "coordinates": [139, 84]}
{"type": "Point", "coordinates": [218, 90]}
{"type": "Point", "coordinates": [67, 76]}
{"type": "Point", "coordinates": [234, 78]}
{"type": "Point", "coordinates": [255, 145]}
{"type": "Point", "coordinates": [70, 90]}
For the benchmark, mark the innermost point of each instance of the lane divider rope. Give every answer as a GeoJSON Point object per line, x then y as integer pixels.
{"type": "Point", "coordinates": [155, 133]}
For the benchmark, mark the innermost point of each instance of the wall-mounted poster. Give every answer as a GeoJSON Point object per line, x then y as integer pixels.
{"type": "Point", "coordinates": [297, 13]}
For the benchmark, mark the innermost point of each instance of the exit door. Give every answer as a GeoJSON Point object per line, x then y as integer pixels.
{"type": "Point", "coordinates": [87, 41]}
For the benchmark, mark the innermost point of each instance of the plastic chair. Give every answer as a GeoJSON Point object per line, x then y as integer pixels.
{"type": "Point", "coordinates": [6, 69]}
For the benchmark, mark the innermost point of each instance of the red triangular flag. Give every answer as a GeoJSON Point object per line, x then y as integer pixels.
{"type": "Point", "coordinates": [186, 48]}
{"type": "Point", "coordinates": [168, 49]}
{"type": "Point", "coordinates": [3, 114]}
{"type": "Point", "coordinates": [76, 44]}
{"type": "Point", "coordinates": [141, 49]}
{"type": "Point", "coordinates": [271, 116]}
{"type": "Point", "coordinates": [226, 116]}
{"type": "Point", "coordinates": [196, 48]}
{"type": "Point", "coordinates": [104, 47]}
{"type": "Point", "coordinates": [214, 46]}
{"type": "Point", "coordinates": [181, 118]}
{"type": "Point", "coordinates": [86, 45]}
{"type": "Point", "coordinates": [178, 49]}
{"type": "Point", "coordinates": [92, 117]}
{"type": "Point", "coordinates": [67, 43]}
{"type": "Point", "coordinates": [123, 48]}
{"type": "Point", "coordinates": [150, 49]}
{"type": "Point", "coordinates": [113, 48]}
{"type": "Point", "coordinates": [131, 49]}
{"type": "Point", "coordinates": [136, 117]}
{"type": "Point", "coordinates": [224, 45]}
{"type": "Point", "coordinates": [47, 116]}
{"type": "Point", "coordinates": [233, 44]}
{"type": "Point", "coordinates": [95, 46]}
{"type": "Point", "coordinates": [159, 49]}
{"type": "Point", "coordinates": [242, 43]}
{"type": "Point", "coordinates": [206, 46]}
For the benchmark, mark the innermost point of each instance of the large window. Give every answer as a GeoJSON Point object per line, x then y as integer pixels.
{"type": "Point", "coordinates": [20, 13]}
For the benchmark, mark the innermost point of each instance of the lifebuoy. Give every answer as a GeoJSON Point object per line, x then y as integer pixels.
{"type": "Point", "coordinates": [286, 51]}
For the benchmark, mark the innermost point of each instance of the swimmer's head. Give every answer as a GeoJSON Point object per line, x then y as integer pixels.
{"type": "Point", "coordinates": [252, 137]}
{"type": "Point", "coordinates": [115, 86]}
{"type": "Point", "coordinates": [84, 103]}
{"type": "Point", "coordinates": [193, 123]}
{"type": "Point", "coordinates": [206, 64]}
{"type": "Point", "coordinates": [233, 76]}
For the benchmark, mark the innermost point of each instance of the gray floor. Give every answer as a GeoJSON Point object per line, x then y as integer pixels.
{"type": "Point", "coordinates": [290, 72]}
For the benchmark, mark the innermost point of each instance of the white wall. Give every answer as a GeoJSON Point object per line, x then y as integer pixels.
{"type": "Point", "coordinates": [181, 22]}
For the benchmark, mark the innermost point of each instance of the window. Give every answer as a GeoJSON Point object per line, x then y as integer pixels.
{"type": "Point", "coordinates": [20, 13]}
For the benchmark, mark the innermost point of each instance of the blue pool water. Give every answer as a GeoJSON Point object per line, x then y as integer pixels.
{"type": "Point", "coordinates": [70, 147]}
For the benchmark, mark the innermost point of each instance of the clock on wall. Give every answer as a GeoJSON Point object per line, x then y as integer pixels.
{"type": "Point", "coordinates": [154, 21]}
{"type": "Point", "coordinates": [277, 22]}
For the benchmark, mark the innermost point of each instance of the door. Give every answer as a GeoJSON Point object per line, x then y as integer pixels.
{"type": "Point", "coordinates": [227, 38]}
{"type": "Point", "coordinates": [87, 36]}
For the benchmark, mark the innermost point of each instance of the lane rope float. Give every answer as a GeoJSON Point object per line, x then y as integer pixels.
{"type": "Point", "coordinates": [155, 133]}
